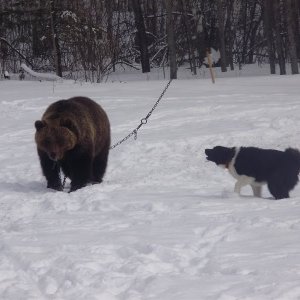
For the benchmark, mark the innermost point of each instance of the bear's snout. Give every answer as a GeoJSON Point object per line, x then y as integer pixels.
{"type": "Point", "coordinates": [53, 155]}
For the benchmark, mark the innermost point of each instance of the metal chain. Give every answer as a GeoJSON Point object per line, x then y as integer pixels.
{"type": "Point", "coordinates": [143, 121]}
{"type": "Point", "coordinates": [134, 132]}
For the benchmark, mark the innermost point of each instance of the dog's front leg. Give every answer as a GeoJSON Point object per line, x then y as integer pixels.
{"type": "Point", "coordinates": [242, 181]}
{"type": "Point", "coordinates": [238, 186]}
{"type": "Point", "coordinates": [256, 190]}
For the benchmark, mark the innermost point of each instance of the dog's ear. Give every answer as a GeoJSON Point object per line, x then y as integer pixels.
{"type": "Point", "coordinates": [232, 152]}
{"type": "Point", "coordinates": [229, 153]}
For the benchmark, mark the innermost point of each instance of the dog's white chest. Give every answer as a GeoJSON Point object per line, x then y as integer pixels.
{"type": "Point", "coordinates": [231, 168]}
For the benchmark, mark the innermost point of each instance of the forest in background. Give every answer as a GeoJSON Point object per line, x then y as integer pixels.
{"type": "Point", "coordinates": [92, 38]}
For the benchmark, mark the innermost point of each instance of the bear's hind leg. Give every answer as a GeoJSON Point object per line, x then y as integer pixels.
{"type": "Point", "coordinates": [51, 171]}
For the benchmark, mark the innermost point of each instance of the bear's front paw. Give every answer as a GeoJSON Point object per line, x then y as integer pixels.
{"type": "Point", "coordinates": [57, 187]}
{"type": "Point", "coordinates": [75, 187]}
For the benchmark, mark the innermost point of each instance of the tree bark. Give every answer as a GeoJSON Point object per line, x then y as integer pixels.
{"type": "Point", "coordinates": [229, 33]}
{"type": "Point", "coordinates": [268, 30]}
{"type": "Point", "coordinates": [292, 37]}
{"type": "Point", "coordinates": [141, 35]}
{"type": "Point", "coordinates": [191, 52]}
{"type": "Point", "coordinates": [297, 24]}
{"type": "Point", "coordinates": [171, 40]}
{"type": "Point", "coordinates": [54, 34]}
{"type": "Point", "coordinates": [278, 37]}
{"type": "Point", "coordinates": [220, 14]}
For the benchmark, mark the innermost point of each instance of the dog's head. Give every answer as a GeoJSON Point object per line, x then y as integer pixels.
{"type": "Point", "coordinates": [220, 155]}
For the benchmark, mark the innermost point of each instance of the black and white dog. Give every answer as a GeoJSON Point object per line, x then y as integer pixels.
{"type": "Point", "coordinates": [256, 167]}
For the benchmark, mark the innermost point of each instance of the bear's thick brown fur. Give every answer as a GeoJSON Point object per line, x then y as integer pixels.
{"type": "Point", "coordinates": [73, 135]}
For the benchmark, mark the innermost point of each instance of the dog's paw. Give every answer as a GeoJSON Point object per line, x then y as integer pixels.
{"type": "Point", "coordinates": [229, 194]}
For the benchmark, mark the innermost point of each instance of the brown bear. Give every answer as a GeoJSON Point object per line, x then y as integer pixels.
{"type": "Point", "coordinates": [74, 136]}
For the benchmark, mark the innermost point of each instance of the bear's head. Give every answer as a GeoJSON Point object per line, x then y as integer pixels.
{"type": "Point", "coordinates": [55, 138]}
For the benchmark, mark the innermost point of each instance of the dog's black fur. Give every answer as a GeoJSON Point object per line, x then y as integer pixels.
{"type": "Point", "coordinates": [255, 166]}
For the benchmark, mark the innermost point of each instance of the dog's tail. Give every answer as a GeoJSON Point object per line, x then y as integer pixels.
{"type": "Point", "coordinates": [295, 156]}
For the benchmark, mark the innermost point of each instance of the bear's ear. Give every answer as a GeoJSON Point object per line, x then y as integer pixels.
{"type": "Point", "coordinates": [39, 125]}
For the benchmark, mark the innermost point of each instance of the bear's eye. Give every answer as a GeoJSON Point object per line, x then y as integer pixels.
{"type": "Point", "coordinates": [60, 141]}
{"type": "Point", "coordinates": [47, 143]}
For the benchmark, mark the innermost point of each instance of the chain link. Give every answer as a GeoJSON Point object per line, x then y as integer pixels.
{"type": "Point", "coordinates": [144, 120]}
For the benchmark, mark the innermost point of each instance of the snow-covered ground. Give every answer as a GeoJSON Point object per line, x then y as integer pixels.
{"type": "Point", "coordinates": [165, 224]}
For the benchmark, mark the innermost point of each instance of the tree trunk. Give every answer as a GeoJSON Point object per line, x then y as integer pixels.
{"type": "Point", "coordinates": [297, 25]}
{"type": "Point", "coordinates": [191, 52]}
{"type": "Point", "coordinates": [292, 36]}
{"type": "Point", "coordinates": [220, 14]}
{"type": "Point", "coordinates": [268, 31]}
{"type": "Point", "coordinates": [141, 35]}
{"type": "Point", "coordinates": [171, 40]}
{"type": "Point", "coordinates": [230, 33]}
{"type": "Point", "coordinates": [278, 37]}
{"type": "Point", "coordinates": [54, 34]}
{"type": "Point", "coordinates": [243, 21]}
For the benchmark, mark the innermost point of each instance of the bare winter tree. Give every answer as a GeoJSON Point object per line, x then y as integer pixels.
{"type": "Point", "coordinates": [221, 23]}
{"type": "Point", "coordinates": [141, 35]}
{"type": "Point", "coordinates": [92, 38]}
{"type": "Point", "coordinates": [187, 21]}
{"type": "Point", "coordinates": [171, 39]}
{"type": "Point", "coordinates": [278, 13]}
{"type": "Point", "coordinates": [230, 30]}
{"type": "Point", "coordinates": [268, 30]}
{"type": "Point", "coordinates": [291, 26]}
{"type": "Point", "coordinates": [55, 39]}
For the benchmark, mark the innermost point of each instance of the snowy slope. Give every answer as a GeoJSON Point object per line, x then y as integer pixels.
{"type": "Point", "coordinates": [165, 224]}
